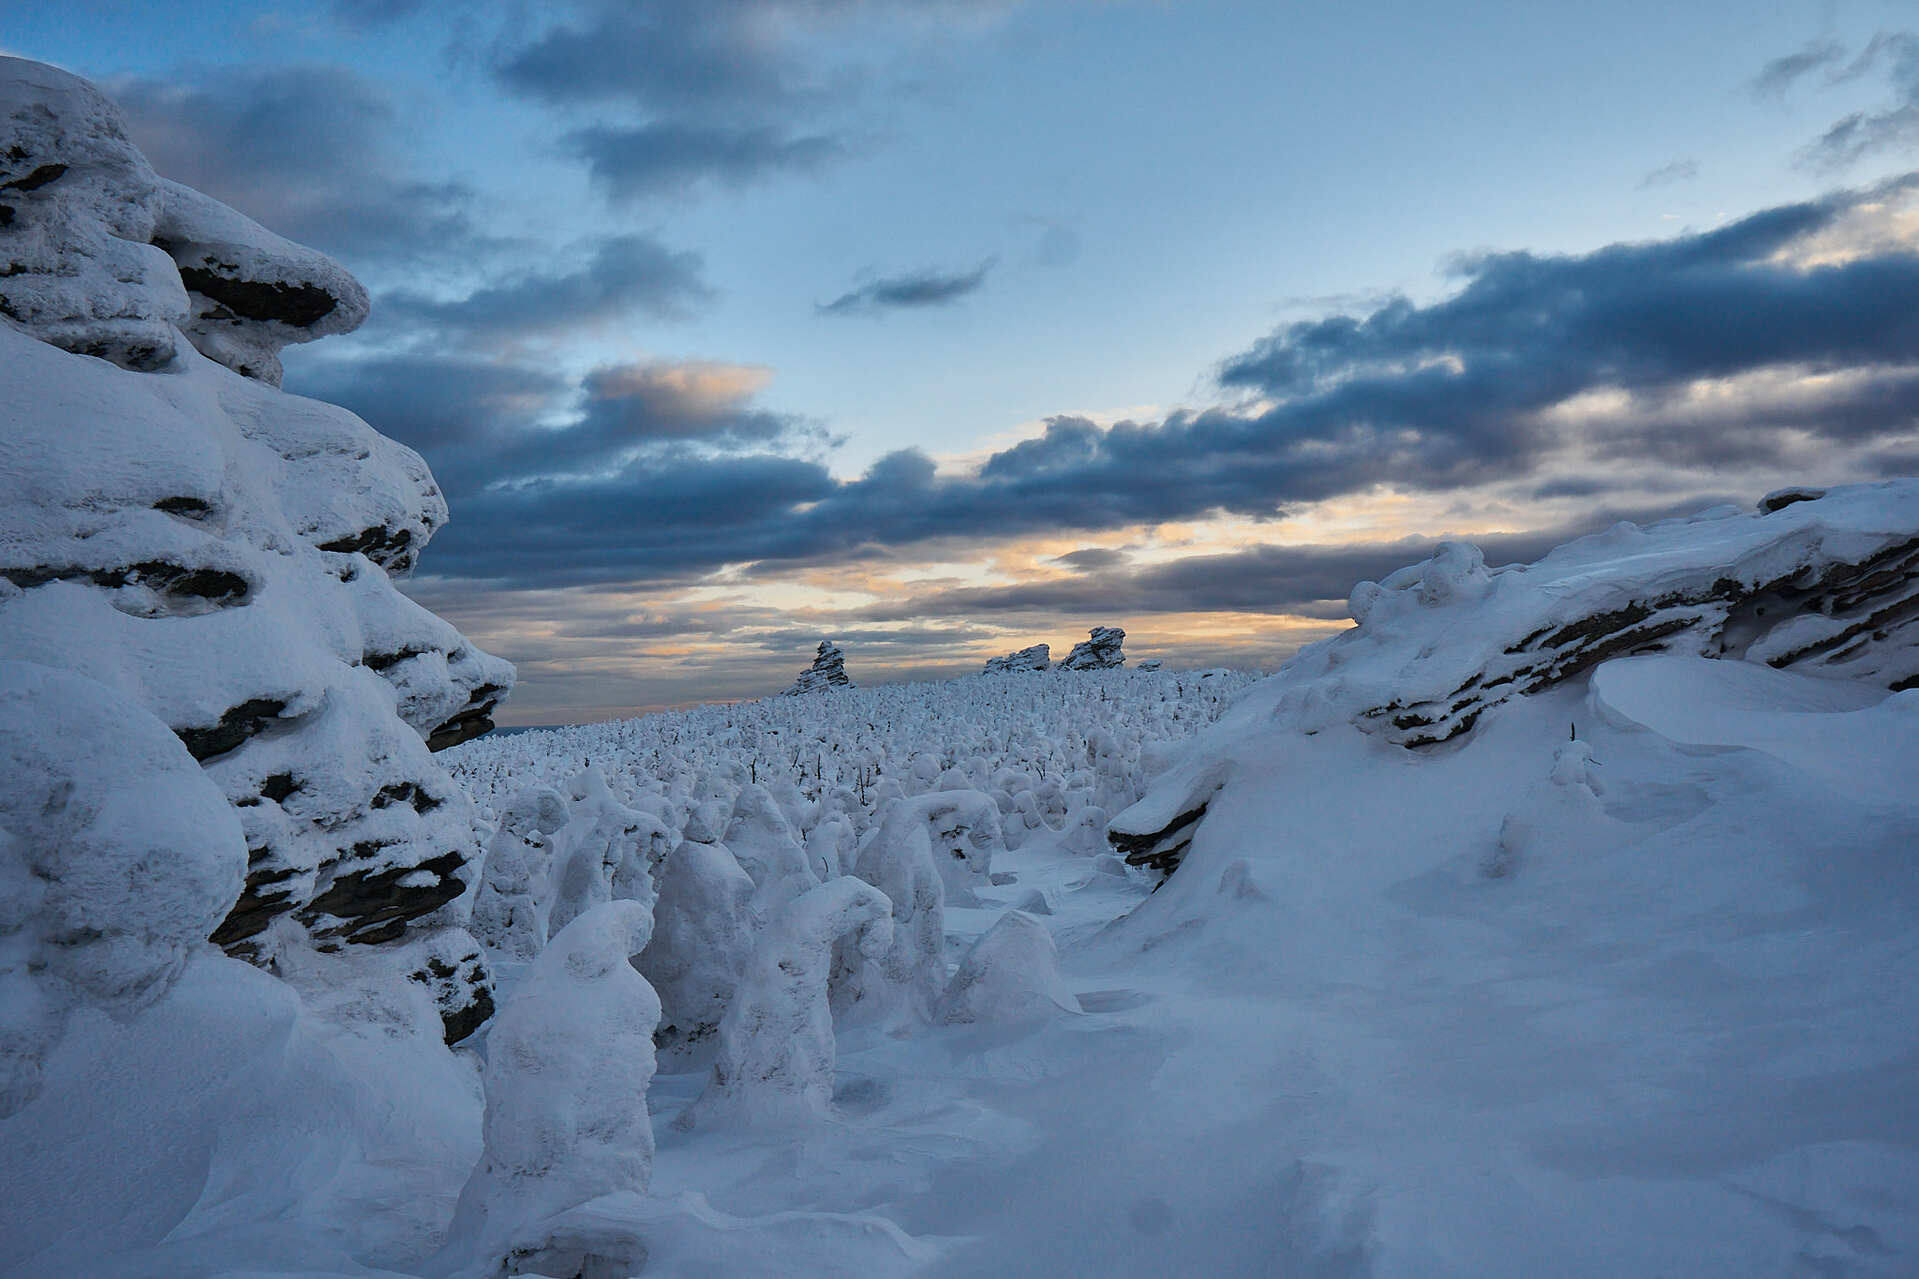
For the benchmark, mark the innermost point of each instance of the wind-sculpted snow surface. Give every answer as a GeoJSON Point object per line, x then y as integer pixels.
{"type": "Point", "coordinates": [213, 551]}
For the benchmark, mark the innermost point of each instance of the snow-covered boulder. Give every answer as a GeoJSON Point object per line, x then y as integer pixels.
{"type": "Point", "coordinates": [117, 858]}
{"type": "Point", "coordinates": [827, 671]}
{"type": "Point", "coordinates": [1826, 584]}
{"type": "Point", "coordinates": [776, 1046]}
{"type": "Point", "coordinates": [1010, 974]}
{"type": "Point", "coordinates": [1099, 651]}
{"type": "Point", "coordinates": [1036, 658]}
{"type": "Point", "coordinates": [214, 551]}
{"type": "Point", "coordinates": [568, 1063]}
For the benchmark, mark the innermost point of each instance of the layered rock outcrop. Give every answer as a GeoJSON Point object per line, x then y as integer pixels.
{"type": "Point", "coordinates": [827, 671]}
{"type": "Point", "coordinates": [1036, 658]}
{"type": "Point", "coordinates": [1824, 583]}
{"type": "Point", "coordinates": [1099, 651]}
{"type": "Point", "coordinates": [217, 553]}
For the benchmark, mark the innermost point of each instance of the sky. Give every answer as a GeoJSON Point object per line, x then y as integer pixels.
{"type": "Point", "coordinates": [940, 328]}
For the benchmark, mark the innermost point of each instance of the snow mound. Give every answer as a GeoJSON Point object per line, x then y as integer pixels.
{"type": "Point", "coordinates": [117, 857]}
{"type": "Point", "coordinates": [1011, 973]}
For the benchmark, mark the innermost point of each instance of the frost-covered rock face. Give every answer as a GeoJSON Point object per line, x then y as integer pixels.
{"type": "Point", "coordinates": [827, 671]}
{"type": "Point", "coordinates": [104, 257]}
{"type": "Point", "coordinates": [1099, 651]}
{"type": "Point", "coordinates": [1036, 658]}
{"type": "Point", "coordinates": [1823, 583]}
{"type": "Point", "coordinates": [215, 552]}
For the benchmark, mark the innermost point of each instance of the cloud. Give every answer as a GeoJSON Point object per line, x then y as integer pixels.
{"type": "Point", "coordinates": [1892, 127]}
{"type": "Point", "coordinates": [670, 55]}
{"type": "Point", "coordinates": [1725, 348]}
{"type": "Point", "coordinates": [1779, 75]}
{"type": "Point", "coordinates": [917, 290]}
{"type": "Point", "coordinates": [625, 274]}
{"type": "Point", "coordinates": [1667, 174]}
{"type": "Point", "coordinates": [1091, 558]}
{"type": "Point", "coordinates": [663, 157]}
{"type": "Point", "coordinates": [305, 150]}
{"type": "Point", "coordinates": [1270, 578]}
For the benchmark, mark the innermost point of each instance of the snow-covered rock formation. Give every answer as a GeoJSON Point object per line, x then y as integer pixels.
{"type": "Point", "coordinates": [1099, 651]}
{"type": "Point", "coordinates": [216, 553]}
{"type": "Point", "coordinates": [827, 671]}
{"type": "Point", "coordinates": [1824, 583]}
{"type": "Point", "coordinates": [1036, 658]}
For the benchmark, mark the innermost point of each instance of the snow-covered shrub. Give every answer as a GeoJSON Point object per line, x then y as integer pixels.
{"type": "Point", "coordinates": [506, 912]}
{"type": "Point", "coordinates": [962, 829]}
{"type": "Point", "coordinates": [568, 1063]}
{"type": "Point", "coordinates": [904, 979]}
{"type": "Point", "coordinates": [776, 1047]}
{"type": "Point", "coordinates": [703, 931]}
{"type": "Point", "coordinates": [763, 842]}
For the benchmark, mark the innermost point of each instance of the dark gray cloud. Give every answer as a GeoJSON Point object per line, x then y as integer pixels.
{"type": "Point", "coordinates": [662, 157]}
{"type": "Point", "coordinates": [1482, 386]}
{"type": "Point", "coordinates": [915, 290]}
{"type": "Point", "coordinates": [307, 151]}
{"type": "Point", "coordinates": [670, 56]}
{"type": "Point", "coordinates": [624, 274]}
{"type": "Point", "coordinates": [1090, 558]}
